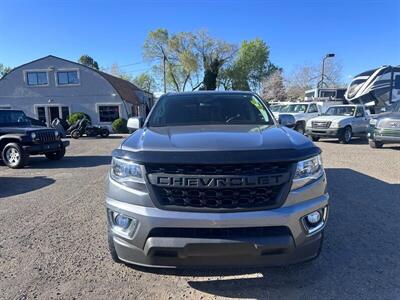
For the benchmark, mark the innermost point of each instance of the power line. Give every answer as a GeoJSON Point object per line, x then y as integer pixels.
{"type": "Point", "coordinates": [127, 65]}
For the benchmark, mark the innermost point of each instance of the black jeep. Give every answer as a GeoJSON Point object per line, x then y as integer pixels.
{"type": "Point", "coordinates": [19, 139]}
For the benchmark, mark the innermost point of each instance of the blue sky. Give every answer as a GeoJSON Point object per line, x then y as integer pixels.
{"type": "Point", "coordinates": [363, 34]}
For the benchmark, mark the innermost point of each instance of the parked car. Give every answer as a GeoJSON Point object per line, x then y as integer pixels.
{"type": "Point", "coordinates": [212, 179]}
{"type": "Point", "coordinates": [339, 121]}
{"type": "Point", "coordinates": [302, 112]}
{"type": "Point", "coordinates": [385, 127]}
{"type": "Point", "coordinates": [19, 139]}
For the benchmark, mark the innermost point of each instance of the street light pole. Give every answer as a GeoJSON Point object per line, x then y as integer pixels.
{"type": "Point", "coordinates": [321, 83]}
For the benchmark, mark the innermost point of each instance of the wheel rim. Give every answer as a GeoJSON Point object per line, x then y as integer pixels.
{"type": "Point", "coordinates": [13, 157]}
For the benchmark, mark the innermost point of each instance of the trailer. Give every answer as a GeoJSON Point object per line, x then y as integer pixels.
{"type": "Point", "coordinates": [376, 89]}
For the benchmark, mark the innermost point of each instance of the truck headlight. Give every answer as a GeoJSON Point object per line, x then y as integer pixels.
{"type": "Point", "coordinates": [307, 171]}
{"type": "Point", "coordinates": [33, 135]}
{"type": "Point", "coordinates": [373, 122]}
{"type": "Point", "coordinates": [334, 125]}
{"type": "Point", "coordinates": [126, 172]}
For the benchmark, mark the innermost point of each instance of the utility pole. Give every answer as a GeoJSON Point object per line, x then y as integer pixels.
{"type": "Point", "coordinates": [165, 79]}
{"type": "Point", "coordinates": [321, 83]}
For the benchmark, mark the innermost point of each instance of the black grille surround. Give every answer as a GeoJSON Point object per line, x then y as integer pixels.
{"type": "Point", "coordinates": [220, 198]}
{"type": "Point", "coordinates": [46, 136]}
{"type": "Point", "coordinates": [220, 233]}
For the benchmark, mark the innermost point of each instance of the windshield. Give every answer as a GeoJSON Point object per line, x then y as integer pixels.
{"type": "Point", "coordinates": [203, 109]}
{"type": "Point", "coordinates": [340, 111]}
{"type": "Point", "coordinates": [13, 118]}
{"type": "Point", "coordinates": [294, 108]}
{"type": "Point", "coordinates": [394, 107]}
{"type": "Point", "coordinates": [276, 108]}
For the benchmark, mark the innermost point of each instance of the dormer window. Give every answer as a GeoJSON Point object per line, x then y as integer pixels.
{"type": "Point", "coordinates": [67, 77]}
{"type": "Point", "coordinates": [36, 78]}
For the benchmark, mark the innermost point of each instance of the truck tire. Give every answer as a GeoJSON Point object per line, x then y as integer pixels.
{"type": "Point", "coordinates": [104, 132]}
{"type": "Point", "coordinates": [111, 248]}
{"type": "Point", "coordinates": [14, 156]}
{"type": "Point", "coordinates": [346, 135]}
{"type": "Point", "coordinates": [56, 155]}
{"type": "Point", "coordinates": [315, 138]}
{"type": "Point", "coordinates": [300, 128]}
{"type": "Point", "coordinates": [375, 144]}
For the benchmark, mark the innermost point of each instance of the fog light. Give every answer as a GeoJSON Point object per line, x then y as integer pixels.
{"type": "Point", "coordinates": [315, 221]}
{"type": "Point", "coordinates": [121, 221]}
{"type": "Point", "coordinates": [314, 217]}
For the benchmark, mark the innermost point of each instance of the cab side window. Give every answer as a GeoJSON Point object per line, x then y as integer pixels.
{"type": "Point", "coordinates": [359, 112]}
{"type": "Point", "coordinates": [313, 108]}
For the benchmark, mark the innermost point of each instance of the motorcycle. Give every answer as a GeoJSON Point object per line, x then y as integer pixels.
{"type": "Point", "coordinates": [79, 128]}
{"type": "Point", "coordinates": [84, 127]}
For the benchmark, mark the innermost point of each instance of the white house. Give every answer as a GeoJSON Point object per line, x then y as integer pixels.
{"type": "Point", "coordinates": [53, 87]}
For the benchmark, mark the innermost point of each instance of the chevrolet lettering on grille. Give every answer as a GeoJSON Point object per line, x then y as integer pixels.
{"type": "Point", "coordinates": [223, 181]}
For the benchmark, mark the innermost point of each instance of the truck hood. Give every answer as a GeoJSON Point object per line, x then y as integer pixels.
{"type": "Point", "coordinates": [218, 139]}
{"type": "Point", "coordinates": [25, 129]}
{"type": "Point", "coordinates": [388, 115]}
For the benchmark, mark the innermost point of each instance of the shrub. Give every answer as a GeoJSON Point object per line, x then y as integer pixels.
{"type": "Point", "coordinates": [119, 126]}
{"type": "Point", "coordinates": [77, 116]}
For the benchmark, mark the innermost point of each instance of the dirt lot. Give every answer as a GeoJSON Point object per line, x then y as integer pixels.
{"type": "Point", "coordinates": [53, 236]}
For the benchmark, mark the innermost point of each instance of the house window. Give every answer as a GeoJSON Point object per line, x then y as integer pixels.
{"type": "Point", "coordinates": [64, 112]}
{"type": "Point", "coordinates": [108, 113]}
{"type": "Point", "coordinates": [36, 78]}
{"type": "Point", "coordinates": [67, 77]}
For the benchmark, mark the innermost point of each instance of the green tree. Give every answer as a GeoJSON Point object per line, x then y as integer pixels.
{"type": "Point", "coordinates": [177, 53]}
{"type": "Point", "coordinates": [251, 66]}
{"type": "Point", "coordinates": [88, 61]}
{"type": "Point", "coordinates": [145, 81]}
{"type": "Point", "coordinates": [4, 70]}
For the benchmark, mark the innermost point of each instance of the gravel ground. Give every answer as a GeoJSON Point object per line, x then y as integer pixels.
{"type": "Point", "coordinates": [53, 235]}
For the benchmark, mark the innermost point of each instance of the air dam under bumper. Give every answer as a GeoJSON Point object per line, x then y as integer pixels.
{"type": "Point", "coordinates": [328, 133]}
{"type": "Point", "coordinates": [285, 241]}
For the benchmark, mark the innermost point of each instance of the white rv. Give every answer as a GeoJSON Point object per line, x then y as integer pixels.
{"type": "Point", "coordinates": [375, 88]}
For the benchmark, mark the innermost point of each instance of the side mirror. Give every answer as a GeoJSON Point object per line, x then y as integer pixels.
{"type": "Point", "coordinates": [383, 109]}
{"type": "Point", "coordinates": [134, 123]}
{"type": "Point", "coordinates": [287, 120]}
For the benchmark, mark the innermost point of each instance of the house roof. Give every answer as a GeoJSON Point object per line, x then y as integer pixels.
{"type": "Point", "coordinates": [125, 89]}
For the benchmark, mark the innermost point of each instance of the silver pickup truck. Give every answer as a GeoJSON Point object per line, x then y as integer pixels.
{"type": "Point", "coordinates": [339, 121]}
{"type": "Point", "coordinates": [212, 179]}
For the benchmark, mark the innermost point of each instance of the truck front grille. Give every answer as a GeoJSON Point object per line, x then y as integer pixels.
{"type": "Point", "coordinates": [46, 136]}
{"type": "Point", "coordinates": [264, 195]}
{"type": "Point", "coordinates": [321, 124]}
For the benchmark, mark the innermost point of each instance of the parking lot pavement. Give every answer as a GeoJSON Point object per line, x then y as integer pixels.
{"type": "Point", "coordinates": [53, 235]}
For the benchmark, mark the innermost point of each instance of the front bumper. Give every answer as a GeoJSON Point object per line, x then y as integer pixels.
{"type": "Point", "coordinates": [45, 148]}
{"type": "Point", "coordinates": [384, 135]}
{"type": "Point", "coordinates": [332, 133]}
{"type": "Point", "coordinates": [282, 247]}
